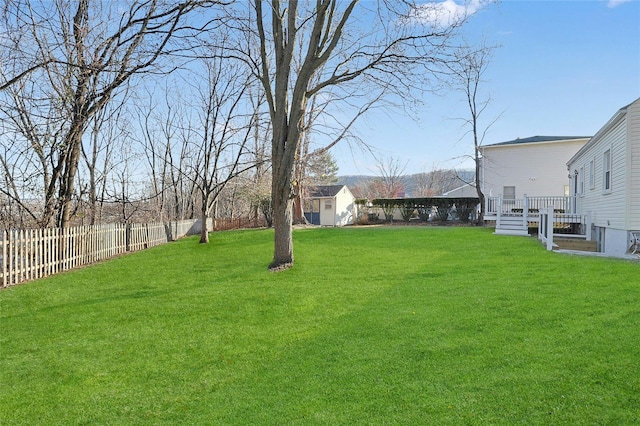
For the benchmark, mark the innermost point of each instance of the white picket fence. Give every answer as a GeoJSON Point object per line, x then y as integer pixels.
{"type": "Point", "coordinates": [36, 253]}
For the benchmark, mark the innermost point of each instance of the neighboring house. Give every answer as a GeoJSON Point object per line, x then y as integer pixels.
{"type": "Point", "coordinates": [606, 180]}
{"type": "Point", "coordinates": [465, 191]}
{"type": "Point", "coordinates": [531, 166]}
{"type": "Point", "coordinates": [331, 205]}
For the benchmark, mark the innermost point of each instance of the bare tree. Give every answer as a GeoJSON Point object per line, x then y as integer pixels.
{"type": "Point", "coordinates": [31, 155]}
{"type": "Point", "coordinates": [396, 51]}
{"type": "Point", "coordinates": [259, 192]}
{"type": "Point", "coordinates": [468, 70]}
{"type": "Point", "coordinates": [85, 54]}
{"type": "Point", "coordinates": [126, 188]}
{"type": "Point", "coordinates": [391, 176]}
{"type": "Point", "coordinates": [16, 63]}
{"type": "Point", "coordinates": [226, 128]}
{"type": "Point", "coordinates": [436, 182]}
{"type": "Point", "coordinates": [166, 137]}
{"type": "Point", "coordinates": [105, 128]}
{"type": "Point", "coordinates": [322, 129]}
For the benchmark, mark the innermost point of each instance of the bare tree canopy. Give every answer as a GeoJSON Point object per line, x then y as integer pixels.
{"type": "Point", "coordinates": [225, 126]}
{"type": "Point", "coordinates": [390, 47]}
{"type": "Point", "coordinates": [64, 60]}
{"type": "Point", "coordinates": [71, 75]}
{"type": "Point", "coordinates": [466, 75]}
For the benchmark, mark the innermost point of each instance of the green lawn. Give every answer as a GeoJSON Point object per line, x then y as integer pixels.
{"type": "Point", "coordinates": [396, 326]}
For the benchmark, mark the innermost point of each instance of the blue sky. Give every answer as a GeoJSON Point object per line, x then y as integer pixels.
{"type": "Point", "coordinates": [563, 69]}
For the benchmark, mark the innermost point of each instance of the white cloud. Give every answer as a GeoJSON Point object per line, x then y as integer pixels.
{"type": "Point", "coordinates": [449, 12]}
{"type": "Point", "coordinates": [615, 3]}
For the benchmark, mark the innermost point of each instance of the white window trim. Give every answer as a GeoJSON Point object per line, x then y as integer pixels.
{"type": "Point", "coordinates": [592, 173]}
{"type": "Point", "coordinates": [581, 181]}
{"type": "Point", "coordinates": [607, 166]}
{"type": "Point", "coordinates": [504, 192]}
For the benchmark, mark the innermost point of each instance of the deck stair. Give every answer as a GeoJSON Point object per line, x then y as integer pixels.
{"type": "Point", "coordinates": [575, 244]}
{"type": "Point", "coordinates": [512, 225]}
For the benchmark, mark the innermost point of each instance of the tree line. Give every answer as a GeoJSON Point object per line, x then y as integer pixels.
{"type": "Point", "coordinates": [118, 110]}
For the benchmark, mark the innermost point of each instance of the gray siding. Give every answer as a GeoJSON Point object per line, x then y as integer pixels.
{"type": "Point", "coordinates": [633, 165]}
{"type": "Point", "coordinates": [607, 207]}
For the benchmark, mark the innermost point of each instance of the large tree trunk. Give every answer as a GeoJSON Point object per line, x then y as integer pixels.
{"type": "Point", "coordinates": [71, 168]}
{"type": "Point", "coordinates": [204, 232]}
{"type": "Point", "coordinates": [283, 240]}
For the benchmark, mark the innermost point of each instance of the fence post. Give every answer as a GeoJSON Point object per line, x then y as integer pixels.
{"type": "Point", "coordinates": [550, 212]}
{"type": "Point", "coordinates": [525, 212]}
{"type": "Point", "coordinates": [587, 226]}
{"type": "Point", "coordinates": [499, 212]}
{"type": "Point", "coordinates": [541, 225]}
{"type": "Point", "coordinates": [5, 240]}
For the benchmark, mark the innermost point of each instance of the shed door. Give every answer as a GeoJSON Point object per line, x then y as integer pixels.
{"type": "Point", "coordinates": [313, 212]}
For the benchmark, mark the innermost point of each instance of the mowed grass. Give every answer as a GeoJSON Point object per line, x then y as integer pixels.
{"type": "Point", "coordinates": [395, 325]}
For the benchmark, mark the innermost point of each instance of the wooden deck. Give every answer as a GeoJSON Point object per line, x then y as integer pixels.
{"type": "Point", "coordinates": [517, 216]}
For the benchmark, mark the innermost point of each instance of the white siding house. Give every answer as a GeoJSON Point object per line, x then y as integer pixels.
{"type": "Point", "coordinates": [468, 190]}
{"type": "Point", "coordinates": [607, 180]}
{"type": "Point", "coordinates": [531, 166]}
{"type": "Point", "coordinates": [330, 205]}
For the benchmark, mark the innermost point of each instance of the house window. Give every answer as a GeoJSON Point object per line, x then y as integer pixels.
{"type": "Point", "coordinates": [581, 181]}
{"type": "Point", "coordinates": [606, 171]}
{"type": "Point", "coordinates": [509, 192]}
{"type": "Point", "coordinates": [592, 174]}
{"type": "Point", "coordinates": [327, 205]}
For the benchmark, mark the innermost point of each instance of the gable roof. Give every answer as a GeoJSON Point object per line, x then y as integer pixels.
{"type": "Point", "coordinates": [323, 191]}
{"type": "Point", "coordinates": [619, 115]}
{"type": "Point", "coordinates": [537, 139]}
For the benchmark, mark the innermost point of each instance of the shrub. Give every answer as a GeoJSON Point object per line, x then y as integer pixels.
{"type": "Point", "coordinates": [407, 213]}
{"type": "Point", "coordinates": [441, 213]}
{"type": "Point", "coordinates": [464, 211]}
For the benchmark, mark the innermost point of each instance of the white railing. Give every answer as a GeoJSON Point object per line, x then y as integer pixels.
{"type": "Point", "coordinates": [545, 228]}
{"type": "Point", "coordinates": [573, 224]}
{"type": "Point", "coordinates": [493, 205]}
{"type": "Point", "coordinates": [497, 206]}
{"type": "Point", "coordinates": [36, 253]}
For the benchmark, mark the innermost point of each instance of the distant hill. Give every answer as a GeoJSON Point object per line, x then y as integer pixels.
{"type": "Point", "coordinates": [439, 181]}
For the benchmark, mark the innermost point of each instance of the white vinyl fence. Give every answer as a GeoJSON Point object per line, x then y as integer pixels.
{"type": "Point", "coordinates": [550, 222]}
{"type": "Point", "coordinates": [35, 253]}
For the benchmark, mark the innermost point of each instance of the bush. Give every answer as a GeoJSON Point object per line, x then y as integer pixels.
{"type": "Point", "coordinates": [464, 211]}
{"type": "Point", "coordinates": [407, 213]}
{"type": "Point", "coordinates": [424, 213]}
{"type": "Point", "coordinates": [441, 213]}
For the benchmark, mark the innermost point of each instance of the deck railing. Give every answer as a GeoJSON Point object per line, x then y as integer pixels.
{"type": "Point", "coordinates": [557, 224]}
{"type": "Point", "coordinates": [495, 205]}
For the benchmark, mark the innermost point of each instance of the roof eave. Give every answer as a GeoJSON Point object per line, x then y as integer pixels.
{"type": "Point", "coordinates": [502, 145]}
{"type": "Point", "coordinates": [619, 115]}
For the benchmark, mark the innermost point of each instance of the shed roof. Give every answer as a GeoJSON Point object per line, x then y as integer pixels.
{"type": "Point", "coordinates": [536, 139]}
{"type": "Point", "coordinates": [323, 191]}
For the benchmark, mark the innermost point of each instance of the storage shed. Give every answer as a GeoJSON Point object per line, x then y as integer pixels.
{"type": "Point", "coordinates": [330, 205]}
